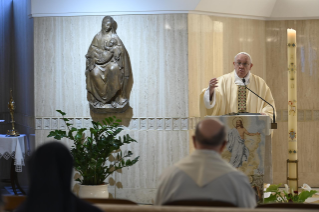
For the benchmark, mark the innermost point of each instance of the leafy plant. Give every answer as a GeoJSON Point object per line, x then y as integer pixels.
{"type": "Point", "coordinates": [91, 154]}
{"type": "Point", "coordinates": [272, 194]}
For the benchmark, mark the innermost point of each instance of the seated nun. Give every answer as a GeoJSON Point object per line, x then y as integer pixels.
{"type": "Point", "coordinates": [50, 172]}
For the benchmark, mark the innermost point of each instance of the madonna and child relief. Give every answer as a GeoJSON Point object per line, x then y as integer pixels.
{"type": "Point", "coordinates": [108, 70]}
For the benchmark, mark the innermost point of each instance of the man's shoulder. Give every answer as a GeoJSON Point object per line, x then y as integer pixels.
{"type": "Point", "coordinates": [236, 175]}
{"type": "Point", "coordinates": [170, 172]}
{"type": "Point", "coordinates": [258, 79]}
{"type": "Point", "coordinates": [227, 76]}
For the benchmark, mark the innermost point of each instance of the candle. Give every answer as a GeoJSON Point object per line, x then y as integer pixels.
{"type": "Point", "coordinates": [292, 108]}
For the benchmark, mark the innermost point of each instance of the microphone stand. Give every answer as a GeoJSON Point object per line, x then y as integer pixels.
{"type": "Point", "coordinates": [274, 124]}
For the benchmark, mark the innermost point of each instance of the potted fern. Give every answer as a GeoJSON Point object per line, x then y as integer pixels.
{"type": "Point", "coordinates": [91, 153]}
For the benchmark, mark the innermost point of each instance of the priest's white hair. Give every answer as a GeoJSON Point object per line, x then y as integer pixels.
{"type": "Point", "coordinates": [245, 53]}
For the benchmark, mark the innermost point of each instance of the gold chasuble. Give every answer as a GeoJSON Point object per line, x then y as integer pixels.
{"type": "Point", "coordinates": [225, 97]}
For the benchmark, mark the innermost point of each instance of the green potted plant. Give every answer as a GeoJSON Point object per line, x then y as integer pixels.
{"type": "Point", "coordinates": [92, 153]}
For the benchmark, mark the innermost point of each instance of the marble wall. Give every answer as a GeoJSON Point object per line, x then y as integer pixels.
{"type": "Point", "coordinates": [307, 86]}
{"type": "Point", "coordinates": [158, 118]}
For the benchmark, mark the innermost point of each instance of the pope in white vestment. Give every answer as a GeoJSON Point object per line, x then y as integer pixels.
{"type": "Point", "coordinates": [224, 96]}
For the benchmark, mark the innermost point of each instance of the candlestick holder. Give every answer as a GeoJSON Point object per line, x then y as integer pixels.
{"type": "Point", "coordinates": [11, 106]}
{"type": "Point", "coordinates": [296, 174]}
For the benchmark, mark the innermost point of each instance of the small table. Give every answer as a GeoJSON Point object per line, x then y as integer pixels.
{"type": "Point", "coordinates": [14, 147]}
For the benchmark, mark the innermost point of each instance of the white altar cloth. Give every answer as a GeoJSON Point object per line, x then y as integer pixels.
{"type": "Point", "coordinates": [16, 148]}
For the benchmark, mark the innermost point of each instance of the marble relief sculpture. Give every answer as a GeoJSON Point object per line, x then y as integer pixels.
{"type": "Point", "coordinates": [108, 69]}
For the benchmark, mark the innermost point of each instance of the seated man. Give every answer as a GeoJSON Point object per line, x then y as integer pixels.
{"type": "Point", "coordinates": [204, 175]}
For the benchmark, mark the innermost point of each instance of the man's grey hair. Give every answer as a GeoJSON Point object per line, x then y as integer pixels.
{"type": "Point", "coordinates": [213, 141]}
{"type": "Point", "coordinates": [245, 53]}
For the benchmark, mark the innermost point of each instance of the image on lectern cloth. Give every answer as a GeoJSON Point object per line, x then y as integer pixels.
{"type": "Point", "coordinates": [245, 149]}
{"type": "Point", "coordinates": [246, 143]}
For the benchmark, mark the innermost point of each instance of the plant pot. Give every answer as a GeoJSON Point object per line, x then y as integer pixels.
{"type": "Point", "coordinates": [93, 191]}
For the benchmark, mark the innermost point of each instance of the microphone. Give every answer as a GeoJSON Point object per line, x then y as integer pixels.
{"type": "Point", "coordinates": [274, 124]}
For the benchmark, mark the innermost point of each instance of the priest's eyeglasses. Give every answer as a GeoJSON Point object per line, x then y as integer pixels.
{"type": "Point", "coordinates": [244, 64]}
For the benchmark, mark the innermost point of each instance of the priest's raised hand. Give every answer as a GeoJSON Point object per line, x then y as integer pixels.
{"type": "Point", "coordinates": [212, 85]}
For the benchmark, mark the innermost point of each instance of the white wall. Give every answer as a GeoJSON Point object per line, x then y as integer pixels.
{"type": "Point", "coordinates": [295, 9]}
